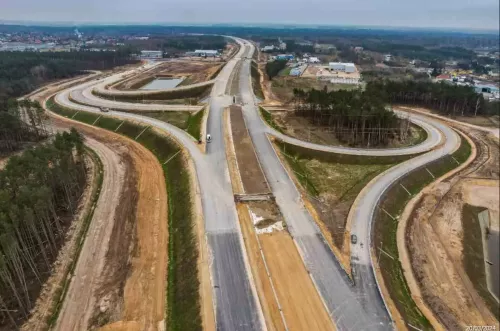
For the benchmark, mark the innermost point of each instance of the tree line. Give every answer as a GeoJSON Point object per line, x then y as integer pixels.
{"type": "Point", "coordinates": [445, 98]}
{"type": "Point", "coordinates": [355, 117]}
{"type": "Point", "coordinates": [23, 72]}
{"type": "Point", "coordinates": [22, 122]}
{"type": "Point", "coordinates": [39, 192]}
{"type": "Point", "coordinates": [274, 67]}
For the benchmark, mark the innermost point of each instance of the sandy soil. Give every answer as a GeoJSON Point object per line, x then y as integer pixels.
{"type": "Point", "coordinates": [80, 299]}
{"type": "Point", "coordinates": [312, 71]}
{"type": "Point", "coordinates": [266, 84]}
{"type": "Point", "coordinates": [434, 243]}
{"type": "Point", "coordinates": [268, 302]}
{"type": "Point", "coordinates": [122, 279]}
{"type": "Point", "coordinates": [300, 302]}
{"type": "Point", "coordinates": [145, 287]}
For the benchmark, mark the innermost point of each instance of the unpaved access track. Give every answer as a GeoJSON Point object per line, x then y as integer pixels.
{"type": "Point", "coordinates": [121, 272]}
{"type": "Point", "coordinates": [434, 239]}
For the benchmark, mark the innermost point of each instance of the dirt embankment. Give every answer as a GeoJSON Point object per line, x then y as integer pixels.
{"type": "Point", "coordinates": [121, 273]}
{"type": "Point", "coordinates": [434, 239]}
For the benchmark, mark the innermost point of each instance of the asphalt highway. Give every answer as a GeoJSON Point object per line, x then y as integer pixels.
{"type": "Point", "coordinates": [236, 304]}
{"type": "Point", "coordinates": [434, 138]}
{"type": "Point", "coordinates": [356, 306]}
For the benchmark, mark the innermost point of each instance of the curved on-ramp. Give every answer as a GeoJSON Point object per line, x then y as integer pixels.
{"type": "Point", "coordinates": [434, 138]}
{"type": "Point", "coordinates": [236, 304]}
{"type": "Point", "coordinates": [351, 307]}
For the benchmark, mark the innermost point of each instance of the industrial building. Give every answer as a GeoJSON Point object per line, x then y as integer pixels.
{"type": "Point", "coordinates": [268, 48]}
{"type": "Point", "coordinates": [206, 52]}
{"type": "Point", "coordinates": [340, 66]}
{"type": "Point", "coordinates": [312, 59]}
{"type": "Point", "coordinates": [284, 57]}
{"type": "Point", "coordinates": [151, 54]}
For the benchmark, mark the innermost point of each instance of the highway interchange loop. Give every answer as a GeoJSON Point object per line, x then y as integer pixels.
{"type": "Point", "coordinates": [357, 306]}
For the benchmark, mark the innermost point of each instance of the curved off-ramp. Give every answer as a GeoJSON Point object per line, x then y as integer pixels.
{"type": "Point", "coordinates": [358, 307]}
{"type": "Point", "coordinates": [434, 138]}
{"type": "Point", "coordinates": [351, 307]}
{"type": "Point", "coordinates": [236, 304]}
{"type": "Point", "coordinates": [102, 90]}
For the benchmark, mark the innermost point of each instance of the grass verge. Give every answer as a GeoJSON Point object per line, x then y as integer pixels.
{"type": "Point", "coordinates": [269, 120]}
{"type": "Point", "coordinates": [94, 196]}
{"type": "Point", "coordinates": [182, 295]}
{"type": "Point", "coordinates": [189, 122]}
{"type": "Point", "coordinates": [177, 118]}
{"type": "Point", "coordinates": [393, 202]}
{"type": "Point", "coordinates": [473, 257]}
{"type": "Point", "coordinates": [341, 175]}
{"type": "Point", "coordinates": [257, 88]}
{"type": "Point", "coordinates": [194, 124]}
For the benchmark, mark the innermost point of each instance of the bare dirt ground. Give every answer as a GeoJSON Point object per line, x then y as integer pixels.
{"type": "Point", "coordinates": [123, 279]}
{"type": "Point", "coordinates": [435, 234]}
{"type": "Point", "coordinates": [299, 299]}
{"type": "Point", "coordinates": [194, 71]}
{"type": "Point", "coordinates": [251, 174]}
{"type": "Point", "coordinates": [312, 71]}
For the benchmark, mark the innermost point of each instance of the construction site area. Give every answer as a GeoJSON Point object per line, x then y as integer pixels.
{"type": "Point", "coordinates": [451, 247]}
{"type": "Point", "coordinates": [232, 201]}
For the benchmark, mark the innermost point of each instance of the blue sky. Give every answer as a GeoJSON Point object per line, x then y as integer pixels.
{"type": "Point", "coordinates": [463, 14]}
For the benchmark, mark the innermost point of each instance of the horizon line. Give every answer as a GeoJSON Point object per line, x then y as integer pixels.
{"type": "Point", "coordinates": [250, 25]}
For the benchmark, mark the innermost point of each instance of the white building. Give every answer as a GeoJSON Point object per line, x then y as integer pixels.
{"type": "Point", "coordinates": [268, 48]}
{"type": "Point", "coordinates": [313, 59]}
{"type": "Point", "coordinates": [206, 52]}
{"type": "Point", "coordinates": [151, 54]}
{"type": "Point", "coordinates": [340, 66]}
{"type": "Point", "coordinates": [345, 80]}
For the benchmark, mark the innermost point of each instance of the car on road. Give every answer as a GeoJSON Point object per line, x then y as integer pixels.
{"type": "Point", "coordinates": [354, 239]}
{"type": "Point", "coordinates": [209, 138]}
{"type": "Point", "coordinates": [104, 109]}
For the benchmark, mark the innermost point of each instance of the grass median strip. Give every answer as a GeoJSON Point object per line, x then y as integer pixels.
{"type": "Point", "coordinates": [391, 206]}
{"type": "Point", "coordinates": [194, 124]}
{"type": "Point", "coordinates": [183, 303]}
